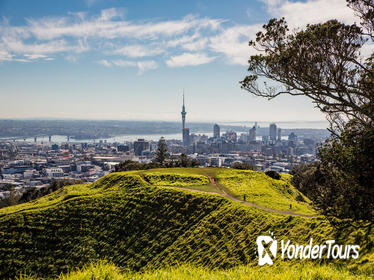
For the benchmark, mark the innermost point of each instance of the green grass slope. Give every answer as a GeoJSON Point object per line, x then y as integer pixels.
{"type": "Point", "coordinates": [143, 220]}
{"type": "Point", "coordinates": [259, 188]}
{"type": "Point", "coordinates": [265, 191]}
{"type": "Point", "coordinates": [103, 270]}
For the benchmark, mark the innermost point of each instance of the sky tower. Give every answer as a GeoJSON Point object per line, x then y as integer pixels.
{"type": "Point", "coordinates": [183, 114]}
{"type": "Point", "coordinates": [185, 130]}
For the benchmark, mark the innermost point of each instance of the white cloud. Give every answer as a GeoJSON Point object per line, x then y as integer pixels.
{"type": "Point", "coordinates": [112, 13]}
{"type": "Point", "coordinates": [189, 59]}
{"type": "Point", "coordinates": [196, 45]}
{"type": "Point", "coordinates": [233, 43]}
{"type": "Point", "coordinates": [105, 62]}
{"type": "Point", "coordinates": [141, 65]}
{"type": "Point", "coordinates": [146, 65]}
{"type": "Point", "coordinates": [19, 47]}
{"type": "Point", "coordinates": [123, 63]}
{"type": "Point", "coordinates": [35, 56]}
{"type": "Point", "coordinates": [196, 40]}
{"type": "Point", "coordinates": [299, 14]}
{"type": "Point", "coordinates": [109, 34]}
{"type": "Point", "coordinates": [5, 56]}
{"type": "Point", "coordinates": [105, 27]}
{"type": "Point", "coordinates": [138, 51]}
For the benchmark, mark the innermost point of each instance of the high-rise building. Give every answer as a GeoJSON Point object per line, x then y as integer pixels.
{"type": "Point", "coordinates": [273, 132]}
{"type": "Point", "coordinates": [216, 131]}
{"type": "Point", "coordinates": [279, 134]}
{"type": "Point", "coordinates": [185, 131]}
{"type": "Point", "coordinates": [140, 146]}
{"type": "Point", "coordinates": [186, 136]}
{"type": "Point", "coordinates": [252, 134]}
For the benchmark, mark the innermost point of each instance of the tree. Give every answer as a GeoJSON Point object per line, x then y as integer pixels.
{"type": "Point", "coordinates": [346, 175]}
{"type": "Point", "coordinates": [184, 162]}
{"type": "Point", "coordinates": [243, 166]}
{"type": "Point", "coordinates": [305, 178]}
{"type": "Point", "coordinates": [321, 62]}
{"type": "Point", "coordinates": [324, 63]}
{"type": "Point", "coordinates": [273, 174]}
{"type": "Point", "coordinates": [128, 165]}
{"type": "Point", "coordinates": [365, 11]}
{"type": "Point", "coordinates": [161, 153]}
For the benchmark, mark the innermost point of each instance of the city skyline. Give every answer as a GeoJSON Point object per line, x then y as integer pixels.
{"type": "Point", "coordinates": [120, 61]}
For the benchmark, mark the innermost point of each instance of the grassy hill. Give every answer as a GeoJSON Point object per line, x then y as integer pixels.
{"type": "Point", "coordinates": [104, 270]}
{"type": "Point", "coordinates": [145, 220]}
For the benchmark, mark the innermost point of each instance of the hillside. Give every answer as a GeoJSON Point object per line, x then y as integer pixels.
{"type": "Point", "coordinates": [143, 220]}
{"type": "Point", "coordinates": [104, 270]}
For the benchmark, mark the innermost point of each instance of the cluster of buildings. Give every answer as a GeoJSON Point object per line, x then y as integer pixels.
{"type": "Point", "coordinates": [271, 152]}
{"type": "Point", "coordinates": [24, 164]}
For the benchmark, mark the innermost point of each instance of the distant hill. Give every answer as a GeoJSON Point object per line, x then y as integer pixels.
{"type": "Point", "coordinates": [95, 129]}
{"type": "Point", "coordinates": [146, 220]}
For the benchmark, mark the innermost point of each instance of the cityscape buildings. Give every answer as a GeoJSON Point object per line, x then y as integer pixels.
{"type": "Point", "coordinates": [273, 132]}
{"type": "Point", "coordinates": [252, 134]}
{"type": "Point", "coordinates": [216, 131]}
{"type": "Point", "coordinates": [36, 163]}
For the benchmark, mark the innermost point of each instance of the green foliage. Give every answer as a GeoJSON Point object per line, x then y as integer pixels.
{"type": "Point", "coordinates": [305, 178]}
{"type": "Point", "coordinates": [273, 174]}
{"type": "Point", "coordinates": [7, 187]}
{"type": "Point", "coordinates": [184, 161]}
{"type": "Point", "coordinates": [344, 178]}
{"type": "Point", "coordinates": [243, 166]}
{"type": "Point", "coordinates": [12, 199]}
{"type": "Point", "coordinates": [32, 193]}
{"type": "Point", "coordinates": [324, 63]}
{"type": "Point", "coordinates": [306, 63]}
{"type": "Point", "coordinates": [129, 165]}
{"type": "Point", "coordinates": [162, 151]}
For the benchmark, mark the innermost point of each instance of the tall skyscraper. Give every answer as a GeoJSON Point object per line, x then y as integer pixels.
{"type": "Point", "coordinates": [279, 134]}
{"type": "Point", "coordinates": [185, 131]}
{"type": "Point", "coordinates": [273, 131]}
{"type": "Point", "coordinates": [216, 131]}
{"type": "Point", "coordinates": [252, 134]}
{"type": "Point", "coordinates": [186, 136]}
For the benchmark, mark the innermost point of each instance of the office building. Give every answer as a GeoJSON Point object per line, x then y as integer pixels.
{"type": "Point", "coordinates": [252, 134]}
{"type": "Point", "coordinates": [216, 131]}
{"type": "Point", "coordinates": [279, 134]}
{"type": "Point", "coordinates": [273, 132]}
{"type": "Point", "coordinates": [140, 146]}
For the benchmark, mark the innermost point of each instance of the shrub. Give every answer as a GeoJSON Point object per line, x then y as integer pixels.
{"type": "Point", "coordinates": [244, 166]}
{"type": "Point", "coordinates": [273, 174]}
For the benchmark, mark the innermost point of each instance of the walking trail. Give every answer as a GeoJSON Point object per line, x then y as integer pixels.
{"type": "Point", "coordinates": [225, 194]}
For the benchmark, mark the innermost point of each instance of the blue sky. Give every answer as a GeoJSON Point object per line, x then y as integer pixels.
{"type": "Point", "coordinates": [96, 59]}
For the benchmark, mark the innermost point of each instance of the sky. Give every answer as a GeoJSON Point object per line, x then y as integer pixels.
{"type": "Point", "coordinates": [131, 59]}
